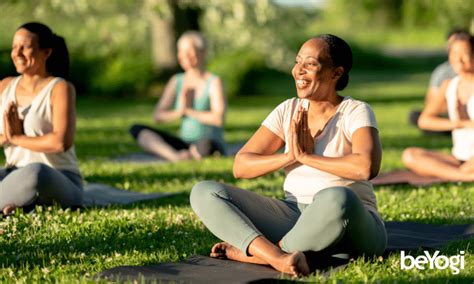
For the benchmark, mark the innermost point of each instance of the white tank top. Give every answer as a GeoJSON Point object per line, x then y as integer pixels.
{"type": "Point", "coordinates": [463, 138]}
{"type": "Point", "coordinates": [37, 121]}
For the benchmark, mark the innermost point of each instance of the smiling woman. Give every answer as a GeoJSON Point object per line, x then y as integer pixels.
{"type": "Point", "coordinates": [38, 124]}
{"type": "Point", "coordinates": [332, 149]}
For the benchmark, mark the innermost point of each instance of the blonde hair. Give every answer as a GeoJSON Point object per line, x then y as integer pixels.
{"type": "Point", "coordinates": [197, 39]}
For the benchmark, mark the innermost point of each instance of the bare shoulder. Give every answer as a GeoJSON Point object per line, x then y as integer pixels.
{"type": "Point", "coordinates": [5, 82]}
{"type": "Point", "coordinates": [63, 89]}
{"type": "Point", "coordinates": [216, 84]}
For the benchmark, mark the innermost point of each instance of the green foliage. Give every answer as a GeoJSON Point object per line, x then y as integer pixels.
{"type": "Point", "coordinates": [107, 40]}
{"type": "Point", "coordinates": [233, 66]}
{"type": "Point", "coordinates": [402, 13]}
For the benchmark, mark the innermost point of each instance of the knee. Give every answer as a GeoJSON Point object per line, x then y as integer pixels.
{"type": "Point", "coordinates": [338, 200]}
{"type": "Point", "coordinates": [409, 155]}
{"type": "Point", "coordinates": [204, 192]}
{"type": "Point", "coordinates": [37, 176]}
{"type": "Point", "coordinates": [135, 130]}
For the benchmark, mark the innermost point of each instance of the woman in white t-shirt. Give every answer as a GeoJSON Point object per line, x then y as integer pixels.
{"type": "Point", "coordinates": [458, 99]}
{"type": "Point", "coordinates": [332, 149]}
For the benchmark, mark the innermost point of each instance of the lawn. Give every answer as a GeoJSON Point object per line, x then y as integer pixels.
{"type": "Point", "coordinates": [62, 246]}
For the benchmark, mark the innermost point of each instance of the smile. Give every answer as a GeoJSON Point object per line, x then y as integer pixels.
{"type": "Point", "coordinates": [300, 83]}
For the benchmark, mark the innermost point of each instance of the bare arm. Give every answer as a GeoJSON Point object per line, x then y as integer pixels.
{"type": "Point", "coordinates": [362, 164]}
{"type": "Point", "coordinates": [61, 138]}
{"type": "Point", "coordinates": [218, 106]}
{"type": "Point", "coordinates": [258, 157]}
{"type": "Point", "coordinates": [432, 94]}
{"type": "Point", "coordinates": [3, 85]}
{"type": "Point", "coordinates": [430, 117]}
{"type": "Point", "coordinates": [164, 111]}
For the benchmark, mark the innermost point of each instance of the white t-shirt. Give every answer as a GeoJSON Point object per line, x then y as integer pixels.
{"type": "Point", "coordinates": [463, 138]}
{"type": "Point", "coordinates": [303, 182]}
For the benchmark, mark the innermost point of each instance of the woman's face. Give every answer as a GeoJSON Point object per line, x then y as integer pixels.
{"type": "Point", "coordinates": [26, 53]}
{"type": "Point", "coordinates": [313, 72]}
{"type": "Point", "coordinates": [461, 57]}
{"type": "Point", "coordinates": [187, 55]}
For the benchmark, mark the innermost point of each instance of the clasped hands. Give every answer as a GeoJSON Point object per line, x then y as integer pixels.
{"type": "Point", "coordinates": [12, 124]}
{"type": "Point", "coordinates": [186, 101]}
{"type": "Point", "coordinates": [300, 140]}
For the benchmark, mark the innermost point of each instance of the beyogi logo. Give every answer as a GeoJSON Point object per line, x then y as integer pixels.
{"type": "Point", "coordinates": [441, 262]}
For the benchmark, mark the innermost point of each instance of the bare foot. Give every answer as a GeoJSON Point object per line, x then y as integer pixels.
{"type": "Point", "coordinates": [226, 251]}
{"type": "Point", "coordinates": [183, 155]}
{"type": "Point", "coordinates": [294, 264]}
{"type": "Point", "coordinates": [8, 209]}
{"type": "Point", "coordinates": [194, 152]}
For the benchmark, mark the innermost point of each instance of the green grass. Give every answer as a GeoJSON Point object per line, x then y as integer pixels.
{"type": "Point", "coordinates": [62, 246]}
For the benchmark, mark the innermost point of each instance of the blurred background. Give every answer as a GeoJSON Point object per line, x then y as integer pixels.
{"type": "Point", "coordinates": [127, 48]}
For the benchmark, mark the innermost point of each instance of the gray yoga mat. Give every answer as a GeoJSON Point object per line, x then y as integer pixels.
{"type": "Point", "coordinates": [96, 194]}
{"type": "Point", "coordinates": [145, 158]}
{"type": "Point", "coordinates": [201, 269]}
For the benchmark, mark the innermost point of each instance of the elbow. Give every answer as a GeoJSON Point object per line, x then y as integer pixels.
{"type": "Point", "coordinates": [157, 116]}
{"type": "Point", "coordinates": [61, 147]}
{"type": "Point", "coordinates": [367, 173]}
{"type": "Point", "coordinates": [373, 173]}
{"type": "Point", "coordinates": [422, 122]}
{"type": "Point", "coordinates": [237, 169]}
{"type": "Point", "coordinates": [237, 172]}
{"type": "Point", "coordinates": [363, 175]}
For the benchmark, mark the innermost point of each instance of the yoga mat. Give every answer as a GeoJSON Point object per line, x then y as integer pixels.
{"type": "Point", "coordinates": [143, 157]}
{"type": "Point", "coordinates": [405, 177]}
{"type": "Point", "coordinates": [96, 194]}
{"type": "Point", "coordinates": [201, 269]}
{"type": "Point", "coordinates": [413, 236]}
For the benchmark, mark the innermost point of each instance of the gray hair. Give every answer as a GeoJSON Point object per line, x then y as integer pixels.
{"type": "Point", "coordinates": [197, 39]}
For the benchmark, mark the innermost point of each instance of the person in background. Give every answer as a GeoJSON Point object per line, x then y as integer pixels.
{"type": "Point", "coordinates": [441, 73]}
{"type": "Point", "coordinates": [457, 96]}
{"type": "Point", "coordinates": [197, 98]}
{"type": "Point", "coordinates": [38, 124]}
{"type": "Point", "coordinates": [332, 150]}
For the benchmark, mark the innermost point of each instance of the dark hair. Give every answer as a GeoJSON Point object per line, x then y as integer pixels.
{"type": "Point", "coordinates": [465, 37]}
{"type": "Point", "coordinates": [456, 31]}
{"type": "Point", "coordinates": [58, 62]}
{"type": "Point", "coordinates": [341, 55]}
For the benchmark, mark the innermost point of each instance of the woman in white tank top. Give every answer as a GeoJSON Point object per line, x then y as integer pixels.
{"type": "Point", "coordinates": [458, 99]}
{"type": "Point", "coordinates": [37, 125]}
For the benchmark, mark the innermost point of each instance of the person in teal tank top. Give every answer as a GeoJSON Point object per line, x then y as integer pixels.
{"type": "Point", "coordinates": [197, 98]}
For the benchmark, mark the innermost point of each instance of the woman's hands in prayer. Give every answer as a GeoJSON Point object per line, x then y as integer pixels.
{"type": "Point", "coordinates": [12, 124]}
{"type": "Point", "coordinates": [301, 142]}
{"type": "Point", "coordinates": [186, 101]}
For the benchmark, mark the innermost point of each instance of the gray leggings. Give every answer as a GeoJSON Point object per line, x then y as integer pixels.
{"type": "Point", "coordinates": [38, 183]}
{"type": "Point", "coordinates": [336, 222]}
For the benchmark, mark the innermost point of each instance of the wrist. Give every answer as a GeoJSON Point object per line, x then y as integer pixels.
{"type": "Point", "coordinates": [288, 158]}
{"type": "Point", "coordinates": [303, 158]}
{"type": "Point", "coordinates": [14, 139]}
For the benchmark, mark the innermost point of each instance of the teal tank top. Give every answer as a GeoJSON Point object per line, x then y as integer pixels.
{"type": "Point", "coordinates": [191, 129]}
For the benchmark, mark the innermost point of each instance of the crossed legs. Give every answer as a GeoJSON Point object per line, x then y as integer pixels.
{"type": "Point", "coordinates": [264, 230]}
{"type": "Point", "coordinates": [38, 183]}
{"type": "Point", "coordinates": [437, 164]}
